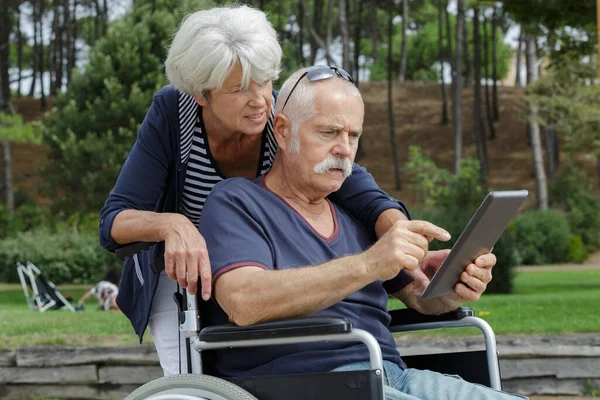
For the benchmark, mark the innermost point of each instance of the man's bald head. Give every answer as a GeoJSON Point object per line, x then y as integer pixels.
{"type": "Point", "coordinates": [302, 105]}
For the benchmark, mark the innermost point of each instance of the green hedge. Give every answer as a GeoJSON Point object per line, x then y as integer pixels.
{"type": "Point", "coordinates": [543, 237]}
{"type": "Point", "coordinates": [64, 257]}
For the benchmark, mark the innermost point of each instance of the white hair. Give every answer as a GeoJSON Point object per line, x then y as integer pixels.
{"type": "Point", "coordinates": [209, 44]}
{"type": "Point", "coordinates": [301, 107]}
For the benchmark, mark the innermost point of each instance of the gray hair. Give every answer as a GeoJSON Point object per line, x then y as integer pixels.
{"type": "Point", "coordinates": [209, 43]}
{"type": "Point", "coordinates": [301, 106]}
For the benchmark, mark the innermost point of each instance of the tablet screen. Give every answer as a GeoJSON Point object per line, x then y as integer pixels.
{"type": "Point", "coordinates": [478, 238]}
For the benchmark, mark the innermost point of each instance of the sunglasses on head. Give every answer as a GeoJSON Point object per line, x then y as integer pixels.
{"type": "Point", "coordinates": [318, 73]}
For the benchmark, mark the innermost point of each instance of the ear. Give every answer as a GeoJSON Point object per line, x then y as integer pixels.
{"type": "Point", "coordinates": [202, 101]}
{"type": "Point", "coordinates": [282, 129]}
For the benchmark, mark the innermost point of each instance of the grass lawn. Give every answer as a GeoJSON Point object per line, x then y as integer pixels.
{"type": "Point", "coordinates": [543, 303]}
{"type": "Point", "coordinates": [553, 302]}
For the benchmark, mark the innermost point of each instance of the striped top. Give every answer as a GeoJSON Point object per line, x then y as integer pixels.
{"type": "Point", "coordinates": [202, 170]}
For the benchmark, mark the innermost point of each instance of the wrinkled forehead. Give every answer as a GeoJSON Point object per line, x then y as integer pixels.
{"type": "Point", "coordinates": [335, 104]}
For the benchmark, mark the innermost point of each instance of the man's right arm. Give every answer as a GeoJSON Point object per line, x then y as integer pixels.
{"type": "Point", "coordinates": [250, 288]}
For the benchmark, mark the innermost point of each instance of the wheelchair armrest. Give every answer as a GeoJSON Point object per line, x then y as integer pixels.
{"type": "Point", "coordinates": [409, 316]}
{"type": "Point", "coordinates": [306, 326]}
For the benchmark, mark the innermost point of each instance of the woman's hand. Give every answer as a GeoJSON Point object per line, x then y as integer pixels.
{"type": "Point", "coordinates": [186, 256]}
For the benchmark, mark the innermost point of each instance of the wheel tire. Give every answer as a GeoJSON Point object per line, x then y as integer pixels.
{"type": "Point", "coordinates": [191, 386]}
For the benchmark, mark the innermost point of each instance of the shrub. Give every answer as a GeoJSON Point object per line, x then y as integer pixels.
{"type": "Point", "coordinates": [542, 237]}
{"type": "Point", "coordinates": [454, 221]}
{"type": "Point", "coordinates": [577, 251]}
{"type": "Point", "coordinates": [573, 193]}
{"type": "Point", "coordinates": [64, 257]}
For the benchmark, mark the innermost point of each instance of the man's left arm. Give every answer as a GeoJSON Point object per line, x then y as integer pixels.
{"type": "Point", "coordinates": [473, 282]}
{"type": "Point", "coordinates": [365, 201]}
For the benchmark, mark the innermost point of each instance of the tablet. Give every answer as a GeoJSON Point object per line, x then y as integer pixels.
{"type": "Point", "coordinates": [479, 237]}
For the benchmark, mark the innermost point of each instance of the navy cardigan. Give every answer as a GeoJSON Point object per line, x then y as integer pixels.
{"type": "Point", "coordinates": [152, 179]}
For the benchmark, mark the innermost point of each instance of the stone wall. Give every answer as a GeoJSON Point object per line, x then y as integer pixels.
{"type": "Point", "coordinates": [558, 365]}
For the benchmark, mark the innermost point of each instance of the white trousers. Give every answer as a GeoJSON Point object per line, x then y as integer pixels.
{"type": "Point", "coordinates": [164, 328]}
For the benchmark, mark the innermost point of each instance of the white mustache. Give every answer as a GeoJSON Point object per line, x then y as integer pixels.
{"type": "Point", "coordinates": [332, 162]}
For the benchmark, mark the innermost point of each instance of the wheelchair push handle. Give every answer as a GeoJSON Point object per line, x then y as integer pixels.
{"type": "Point", "coordinates": [137, 247]}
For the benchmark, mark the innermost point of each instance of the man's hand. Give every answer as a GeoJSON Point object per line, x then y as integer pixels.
{"type": "Point", "coordinates": [474, 279]}
{"type": "Point", "coordinates": [186, 256]}
{"type": "Point", "coordinates": [403, 246]}
{"type": "Point", "coordinates": [427, 268]}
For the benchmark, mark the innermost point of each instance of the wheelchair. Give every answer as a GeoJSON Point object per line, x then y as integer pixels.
{"type": "Point", "coordinates": [481, 367]}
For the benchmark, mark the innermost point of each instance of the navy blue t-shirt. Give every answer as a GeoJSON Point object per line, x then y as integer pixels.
{"type": "Point", "coordinates": [246, 224]}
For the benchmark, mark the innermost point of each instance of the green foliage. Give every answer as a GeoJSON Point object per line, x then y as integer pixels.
{"type": "Point", "coordinates": [573, 193]}
{"type": "Point", "coordinates": [96, 119]}
{"type": "Point", "coordinates": [450, 201]}
{"type": "Point", "coordinates": [543, 237]}
{"type": "Point", "coordinates": [12, 128]}
{"type": "Point", "coordinates": [438, 188]}
{"type": "Point", "coordinates": [577, 251]}
{"type": "Point", "coordinates": [64, 257]}
{"type": "Point", "coordinates": [423, 49]}
{"type": "Point", "coordinates": [568, 102]}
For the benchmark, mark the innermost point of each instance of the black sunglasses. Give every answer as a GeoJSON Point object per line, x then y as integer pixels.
{"type": "Point", "coordinates": [318, 73]}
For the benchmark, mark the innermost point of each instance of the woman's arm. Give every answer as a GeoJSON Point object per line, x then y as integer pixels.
{"type": "Point", "coordinates": [128, 214]}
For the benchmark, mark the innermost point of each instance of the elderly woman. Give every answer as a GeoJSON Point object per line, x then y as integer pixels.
{"type": "Point", "coordinates": [212, 123]}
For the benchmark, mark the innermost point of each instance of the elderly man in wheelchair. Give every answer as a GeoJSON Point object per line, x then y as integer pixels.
{"type": "Point", "coordinates": [301, 288]}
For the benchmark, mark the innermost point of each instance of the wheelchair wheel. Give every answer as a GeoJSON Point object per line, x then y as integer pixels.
{"type": "Point", "coordinates": [190, 387]}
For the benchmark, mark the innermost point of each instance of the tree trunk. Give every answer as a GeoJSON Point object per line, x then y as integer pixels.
{"type": "Point", "coordinates": [53, 49]}
{"type": "Point", "coordinates": [316, 24]}
{"type": "Point", "coordinates": [477, 115]}
{"type": "Point", "coordinates": [329, 34]}
{"type": "Point", "coordinates": [449, 47]}
{"type": "Point", "coordinates": [468, 61]}
{"type": "Point", "coordinates": [495, 67]}
{"type": "Point", "coordinates": [19, 52]}
{"type": "Point", "coordinates": [458, 84]}
{"type": "Point", "coordinates": [403, 50]}
{"type": "Point", "coordinates": [518, 82]}
{"type": "Point", "coordinates": [549, 140]}
{"type": "Point", "coordinates": [41, 59]}
{"type": "Point", "coordinates": [71, 50]}
{"type": "Point", "coordinates": [486, 61]}
{"type": "Point", "coordinates": [398, 180]}
{"type": "Point", "coordinates": [58, 72]}
{"type": "Point", "coordinates": [357, 31]}
{"type": "Point", "coordinates": [534, 131]}
{"type": "Point", "coordinates": [35, 53]}
{"type": "Point", "coordinates": [300, 36]}
{"type": "Point", "coordinates": [5, 29]}
{"type": "Point", "coordinates": [8, 185]}
{"type": "Point", "coordinates": [442, 63]}
{"type": "Point", "coordinates": [374, 31]}
{"type": "Point", "coordinates": [345, 36]}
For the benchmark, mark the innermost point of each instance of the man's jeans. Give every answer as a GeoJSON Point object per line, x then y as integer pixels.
{"type": "Point", "coordinates": [414, 384]}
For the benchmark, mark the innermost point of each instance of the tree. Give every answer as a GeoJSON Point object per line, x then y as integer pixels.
{"type": "Point", "coordinates": [518, 61]}
{"type": "Point", "coordinates": [345, 36]}
{"type": "Point", "coordinates": [495, 65]}
{"type": "Point", "coordinates": [477, 115]}
{"type": "Point", "coordinates": [486, 60]}
{"type": "Point", "coordinates": [96, 119]}
{"type": "Point", "coordinates": [534, 130]}
{"type": "Point", "coordinates": [442, 63]}
{"type": "Point", "coordinates": [458, 85]}
{"type": "Point", "coordinates": [403, 53]}
{"type": "Point", "coordinates": [5, 28]}
{"type": "Point", "coordinates": [398, 180]}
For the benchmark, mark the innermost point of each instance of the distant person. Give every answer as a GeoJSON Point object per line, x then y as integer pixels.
{"type": "Point", "coordinates": [215, 121]}
{"type": "Point", "coordinates": [105, 291]}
